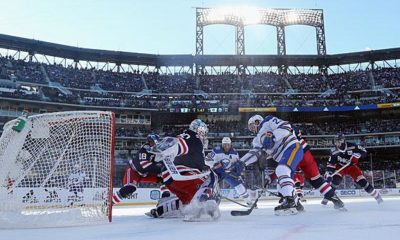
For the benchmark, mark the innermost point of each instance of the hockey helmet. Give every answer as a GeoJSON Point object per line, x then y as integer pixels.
{"type": "Point", "coordinates": [153, 139]}
{"type": "Point", "coordinates": [254, 122]}
{"type": "Point", "coordinates": [340, 142]}
{"type": "Point", "coordinates": [226, 144]}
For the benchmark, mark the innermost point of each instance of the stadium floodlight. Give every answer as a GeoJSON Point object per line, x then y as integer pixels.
{"type": "Point", "coordinates": [291, 17]}
{"type": "Point", "coordinates": [243, 15]}
{"type": "Point", "coordinates": [251, 15]}
{"type": "Point", "coordinates": [247, 15]}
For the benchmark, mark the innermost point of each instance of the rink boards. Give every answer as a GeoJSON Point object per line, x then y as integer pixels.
{"type": "Point", "coordinates": [151, 195]}
{"type": "Point", "coordinates": [59, 196]}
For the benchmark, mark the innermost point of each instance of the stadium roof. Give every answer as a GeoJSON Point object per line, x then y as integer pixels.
{"type": "Point", "coordinates": [119, 57]}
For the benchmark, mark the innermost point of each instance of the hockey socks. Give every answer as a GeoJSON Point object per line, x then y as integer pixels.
{"type": "Point", "coordinates": [370, 189]}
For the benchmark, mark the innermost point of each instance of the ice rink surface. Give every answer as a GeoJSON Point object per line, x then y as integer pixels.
{"type": "Point", "coordinates": [364, 220]}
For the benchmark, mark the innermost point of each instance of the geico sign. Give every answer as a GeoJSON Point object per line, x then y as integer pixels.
{"type": "Point", "coordinates": [348, 192]}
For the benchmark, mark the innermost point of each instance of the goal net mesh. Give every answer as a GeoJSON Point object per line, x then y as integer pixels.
{"type": "Point", "coordinates": [57, 169]}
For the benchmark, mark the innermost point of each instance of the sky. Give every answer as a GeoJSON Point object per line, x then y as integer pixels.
{"type": "Point", "coordinates": [168, 26]}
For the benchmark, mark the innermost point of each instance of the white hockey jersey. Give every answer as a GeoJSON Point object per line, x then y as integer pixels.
{"type": "Point", "coordinates": [284, 136]}
{"type": "Point", "coordinates": [218, 155]}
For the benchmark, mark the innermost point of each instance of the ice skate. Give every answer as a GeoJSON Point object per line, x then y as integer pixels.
{"type": "Point", "coordinates": [288, 207]}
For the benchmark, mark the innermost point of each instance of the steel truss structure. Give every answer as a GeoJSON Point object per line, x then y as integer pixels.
{"type": "Point", "coordinates": [241, 17]}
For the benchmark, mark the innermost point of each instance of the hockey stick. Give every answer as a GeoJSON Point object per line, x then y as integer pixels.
{"type": "Point", "coordinates": [272, 193]}
{"type": "Point", "coordinates": [169, 164]}
{"type": "Point", "coordinates": [248, 211]}
{"type": "Point", "coordinates": [231, 200]}
{"type": "Point", "coordinates": [340, 169]}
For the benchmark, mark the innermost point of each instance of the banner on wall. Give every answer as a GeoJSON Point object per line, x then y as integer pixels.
{"type": "Point", "coordinates": [257, 109]}
{"type": "Point", "coordinates": [389, 105]}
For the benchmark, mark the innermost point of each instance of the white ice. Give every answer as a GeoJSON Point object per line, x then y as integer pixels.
{"type": "Point", "coordinates": [364, 220]}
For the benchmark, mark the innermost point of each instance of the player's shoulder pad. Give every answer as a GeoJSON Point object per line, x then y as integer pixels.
{"type": "Point", "coordinates": [334, 151]}
{"type": "Point", "coordinates": [295, 129]}
{"type": "Point", "coordinates": [233, 151]}
{"type": "Point", "coordinates": [359, 147]}
{"type": "Point", "coordinates": [350, 144]}
{"type": "Point", "coordinates": [145, 148]}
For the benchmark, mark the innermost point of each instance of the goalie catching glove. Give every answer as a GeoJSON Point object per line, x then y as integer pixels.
{"type": "Point", "coordinates": [168, 147]}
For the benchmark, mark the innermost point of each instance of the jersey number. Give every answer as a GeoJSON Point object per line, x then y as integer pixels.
{"type": "Point", "coordinates": [276, 121]}
{"type": "Point", "coordinates": [142, 156]}
{"type": "Point", "coordinates": [184, 136]}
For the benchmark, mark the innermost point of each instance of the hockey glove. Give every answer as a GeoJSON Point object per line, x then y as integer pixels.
{"type": "Point", "coordinates": [268, 141]}
{"type": "Point", "coordinates": [328, 177]}
{"type": "Point", "coordinates": [219, 170]}
{"type": "Point", "coordinates": [237, 168]}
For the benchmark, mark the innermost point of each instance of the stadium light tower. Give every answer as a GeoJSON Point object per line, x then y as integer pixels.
{"type": "Point", "coordinates": [245, 15]}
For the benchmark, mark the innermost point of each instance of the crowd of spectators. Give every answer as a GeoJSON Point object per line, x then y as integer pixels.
{"type": "Point", "coordinates": [382, 164]}
{"type": "Point", "coordinates": [237, 128]}
{"type": "Point", "coordinates": [387, 77]}
{"type": "Point", "coordinates": [136, 131]}
{"type": "Point", "coordinates": [112, 88]}
{"type": "Point", "coordinates": [21, 70]}
{"type": "Point", "coordinates": [371, 126]}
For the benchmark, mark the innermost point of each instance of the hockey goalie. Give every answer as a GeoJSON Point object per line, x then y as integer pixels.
{"type": "Point", "coordinates": [187, 176]}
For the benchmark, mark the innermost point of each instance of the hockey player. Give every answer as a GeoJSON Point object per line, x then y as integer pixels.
{"type": "Point", "coordinates": [194, 196]}
{"type": "Point", "coordinates": [277, 138]}
{"type": "Point", "coordinates": [348, 154]}
{"type": "Point", "coordinates": [76, 184]}
{"type": "Point", "coordinates": [308, 165]}
{"type": "Point", "coordinates": [140, 169]}
{"type": "Point", "coordinates": [225, 162]}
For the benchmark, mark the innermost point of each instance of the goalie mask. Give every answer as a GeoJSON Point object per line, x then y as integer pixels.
{"type": "Point", "coordinates": [201, 129]}
{"type": "Point", "coordinates": [254, 122]}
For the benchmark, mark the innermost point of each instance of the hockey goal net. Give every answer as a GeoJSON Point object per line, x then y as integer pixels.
{"type": "Point", "coordinates": [56, 169]}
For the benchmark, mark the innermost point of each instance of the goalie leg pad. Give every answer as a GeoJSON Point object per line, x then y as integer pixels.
{"type": "Point", "coordinates": [169, 207]}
